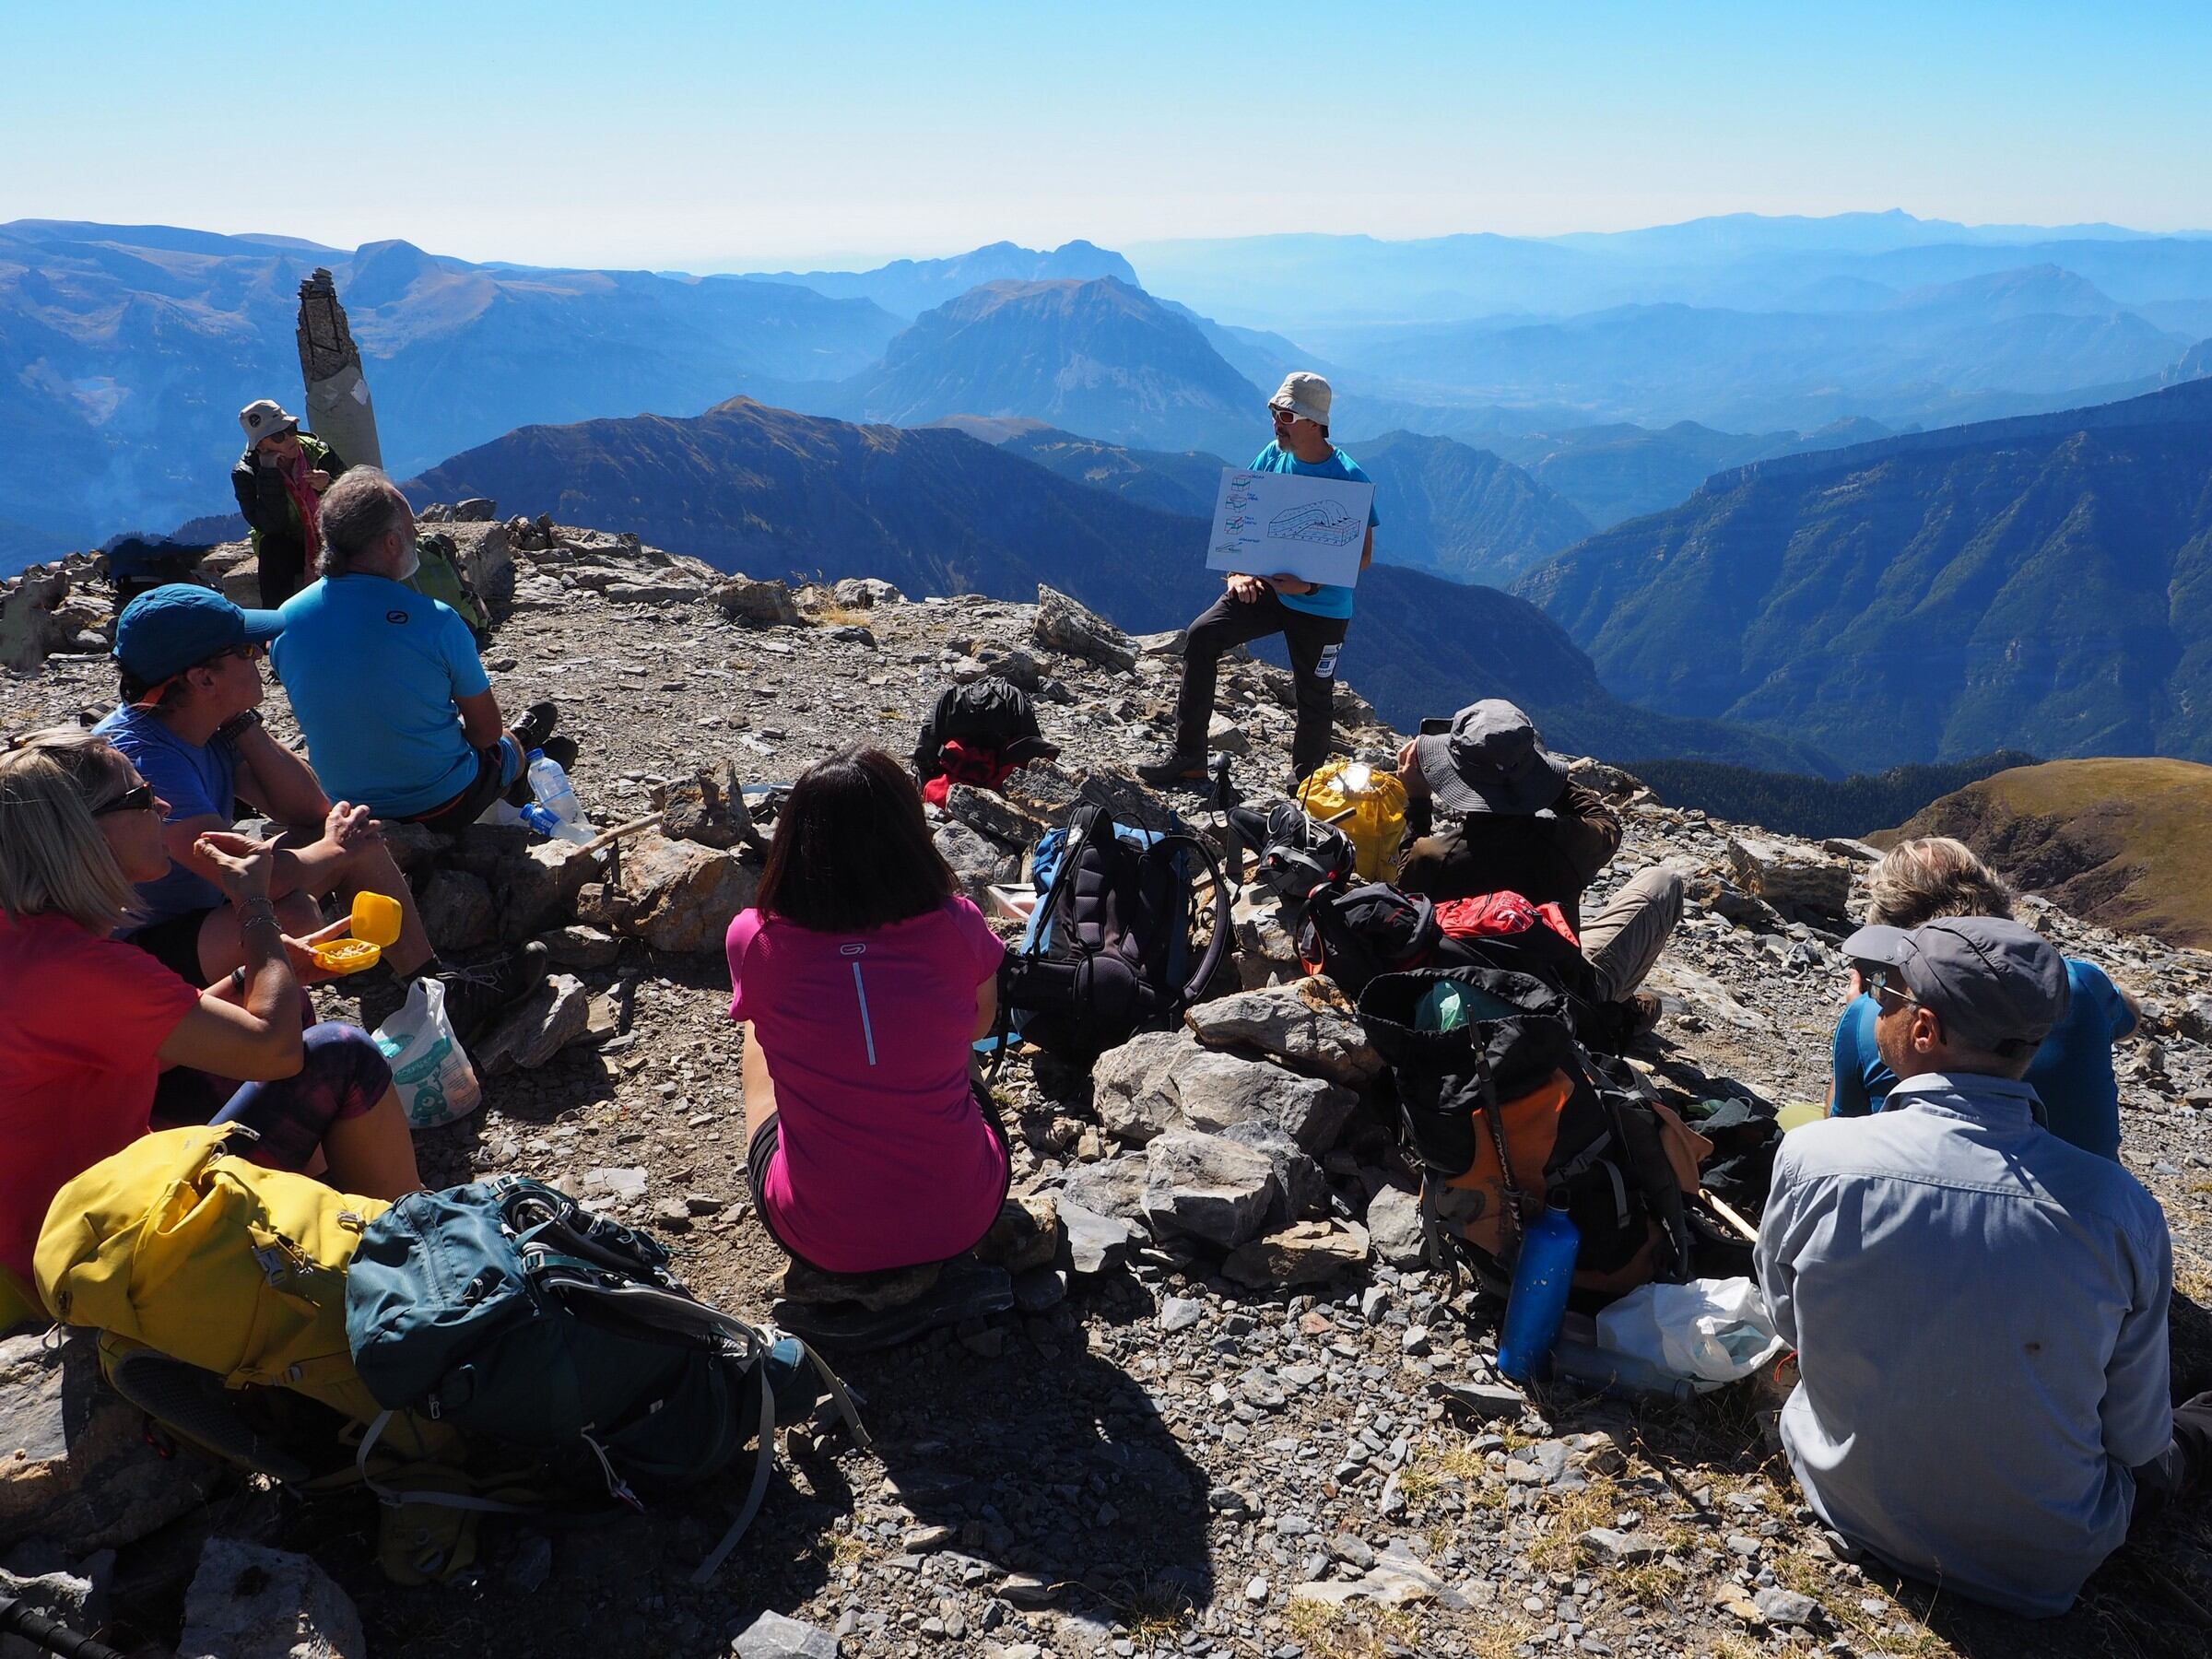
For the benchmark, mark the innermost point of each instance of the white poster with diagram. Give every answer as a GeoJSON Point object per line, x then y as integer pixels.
{"type": "Point", "coordinates": [1269, 524]}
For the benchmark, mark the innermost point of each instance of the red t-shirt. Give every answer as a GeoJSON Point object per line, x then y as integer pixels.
{"type": "Point", "coordinates": [884, 1159]}
{"type": "Point", "coordinates": [82, 1020]}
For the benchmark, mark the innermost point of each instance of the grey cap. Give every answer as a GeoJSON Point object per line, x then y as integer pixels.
{"type": "Point", "coordinates": [1486, 758]}
{"type": "Point", "coordinates": [1994, 984]}
{"type": "Point", "coordinates": [1303, 393]}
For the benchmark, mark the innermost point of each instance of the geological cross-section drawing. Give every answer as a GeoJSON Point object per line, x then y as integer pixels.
{"type": "Point", "coordinates": [1316, 522]}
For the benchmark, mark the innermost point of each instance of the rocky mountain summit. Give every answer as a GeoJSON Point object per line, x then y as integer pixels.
{"type": "Point", "coordinates": [1233, 1412]}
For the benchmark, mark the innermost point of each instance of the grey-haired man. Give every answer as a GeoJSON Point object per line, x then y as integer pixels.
{"type": "Point", "coordinates": [1979, 1309]}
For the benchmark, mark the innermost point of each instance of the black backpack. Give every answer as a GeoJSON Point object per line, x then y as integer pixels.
{"type": "Point", "coordinates": [1506, 1109]}
{"type": "Point", "coordinates": [1357, 932]}
{"type": "Point", "coordinates": [1297, 855]}
{"type": "Point", "coordinates": [1108, 952]}
{"type": "Point", "coordinates": [992, 721]}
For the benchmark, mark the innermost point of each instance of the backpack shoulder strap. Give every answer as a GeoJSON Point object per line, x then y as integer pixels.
{"type": "Point", "coordinates": [1169, 847]}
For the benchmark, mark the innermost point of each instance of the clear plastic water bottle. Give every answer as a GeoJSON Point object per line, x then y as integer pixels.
{"type": "Point", "coordinates": [539, 818]}
{"type": "Point", "coordinates": [1537, 1302]}
{"type": "Point", "coordinates": [549, 783]}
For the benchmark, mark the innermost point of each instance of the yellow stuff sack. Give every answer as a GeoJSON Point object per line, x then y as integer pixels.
{"type": "Point", "coordinates": [1367, 806]}
{"type": "Point", "coordinates": [176, 1244]}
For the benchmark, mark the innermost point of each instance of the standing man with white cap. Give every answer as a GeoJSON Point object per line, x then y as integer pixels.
{"type": "Point", "coordinates": [279, 481]}
{"type": "Point", "coordinates": [1312, 618]}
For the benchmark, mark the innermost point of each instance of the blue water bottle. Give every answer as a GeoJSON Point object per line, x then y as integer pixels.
{"type": "Point", "coordinates": [1538, 1302]}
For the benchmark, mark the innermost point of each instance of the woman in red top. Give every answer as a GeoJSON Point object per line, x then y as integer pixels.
{"type": "Point", "coordinates": [88, 1023]}
{"type": "Point", "coordinates": [860, 980]}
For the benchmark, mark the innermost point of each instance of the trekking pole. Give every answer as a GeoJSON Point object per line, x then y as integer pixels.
{"type": "Point", "coordinates": [34, 1627]}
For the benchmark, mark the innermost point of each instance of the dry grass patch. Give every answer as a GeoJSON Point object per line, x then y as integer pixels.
{"type": "Point", "coordinates": [1349, 1632]}
{"type": "Point", "coordinates": [1875, 1634]}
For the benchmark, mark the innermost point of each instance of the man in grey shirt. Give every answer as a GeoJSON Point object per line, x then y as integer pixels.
{"type": "Point", "coordinates": [1979, 1309]}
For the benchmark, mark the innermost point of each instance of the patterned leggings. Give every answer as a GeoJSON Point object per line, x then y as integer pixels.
{"type": "Point", "coordinates": [343, 1075]}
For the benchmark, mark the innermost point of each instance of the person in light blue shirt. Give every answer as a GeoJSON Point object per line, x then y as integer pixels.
{"type": "Point", "coordinates": [1979, 1309]}
{"type": "Point", "coordinates": [1931, 877]}
{"type": "Point", "coordinates": [385, 683]}
{"type": "Point", "coordinates": [1313, 618]}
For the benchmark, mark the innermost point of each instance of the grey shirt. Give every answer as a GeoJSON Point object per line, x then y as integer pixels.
{"type": "Point", "coordinates": [1978, 1310]}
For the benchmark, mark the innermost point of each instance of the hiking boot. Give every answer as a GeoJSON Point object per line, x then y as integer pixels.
{"type": "Point", "coordinates": [1175, 771]}
{"type": "Point", "coordinates": [562, 752]}
{"type": "Point", "coordinates": [810, 1286]}
{"type": "Point", "coordinates": [536, 725]}
{"type": "Point", "coordinates": [966, 1290]}
{"type": "Point", "coordinates": [476, 997]}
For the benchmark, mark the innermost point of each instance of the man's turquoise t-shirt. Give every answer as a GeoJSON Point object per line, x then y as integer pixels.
{"type": "Point", "coordinates": [1321, 601]}
{"type": "Point", "coordinates": [2071, 1073]}
{"type": "Point", "coordinates": [373, 670]}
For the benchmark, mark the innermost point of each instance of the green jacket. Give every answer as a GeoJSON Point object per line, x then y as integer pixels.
{"type": "Point", "coordinates": [267, 504]}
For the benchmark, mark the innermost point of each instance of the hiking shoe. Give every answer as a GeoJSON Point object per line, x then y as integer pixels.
{"type": "Point", "coordinates": [1643, 1014]}
{"type": "Point", "coordinates": [562, 752]}
{"type": "Point", "coordinates": [967, 1289]}
{"type": "Point", "coordinates": [1174, 770]}
{"type": "Point", "coordinates": [536, 725]}
{"type": "Point", "coordinates": [476, 997]}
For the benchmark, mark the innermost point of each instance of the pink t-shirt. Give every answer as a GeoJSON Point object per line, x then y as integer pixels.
{"type": "Point", "coordinates": [884, 1159]}
{"type": "Point", "coordinates": [82, 1020]}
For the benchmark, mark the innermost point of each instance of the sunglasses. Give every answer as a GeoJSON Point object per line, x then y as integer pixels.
{"type": "Point", "coordinates": [1882, 981]}
{"type": "Point", "coordinates": [253, 652]}
{"type": "Point", "coordinates": [137, 799]}
{"type": "Point", "coordinates": [1281, 415]}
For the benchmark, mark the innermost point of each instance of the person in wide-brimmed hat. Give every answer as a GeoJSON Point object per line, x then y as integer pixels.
{"type": "Point", "coordinates": [1525, 827]}
{"type": "Point", "coordinates": [279, 481]}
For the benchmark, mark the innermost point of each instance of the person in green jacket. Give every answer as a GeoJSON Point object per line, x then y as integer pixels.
{"type": "Point", "coordinates": [278, 482]}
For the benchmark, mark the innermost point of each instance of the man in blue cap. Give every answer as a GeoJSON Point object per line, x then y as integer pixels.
{"type": "Point", "coordinates": [190, 721]}
{"type": "Point", "coordinates": [1979, 1309]}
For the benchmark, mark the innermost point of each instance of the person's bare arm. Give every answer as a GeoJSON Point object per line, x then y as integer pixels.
{"type": "Point", "coordinates": [259, 1041]}
{"type": "Point", "coordinates": [276, 781]}
{"type": "Point", "coordinates": [480, 721]}
{"type": "Point", "coordinates": [1367, 549]}
{"type": "Point", "coordinates": [986, 1008]}
{"type": "Point", "coordinates": [319, 866]}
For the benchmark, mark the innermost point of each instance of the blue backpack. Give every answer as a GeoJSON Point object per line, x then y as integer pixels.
{"type": "Point", "coordinates": [1109, 950]}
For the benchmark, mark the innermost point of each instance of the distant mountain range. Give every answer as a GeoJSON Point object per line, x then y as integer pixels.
{"type": "Point", "coordinates": [937, 512]}
{"type": "Point", "coordinates": [126, 350]}
{"type": "Point", "coordinates": [2038, 583]}
{"type": "Point", "coordinates": [907, 287]}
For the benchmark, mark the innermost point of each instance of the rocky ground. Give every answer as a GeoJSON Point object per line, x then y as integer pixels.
{"type": "Point", "coordinates": [1236, 1416]}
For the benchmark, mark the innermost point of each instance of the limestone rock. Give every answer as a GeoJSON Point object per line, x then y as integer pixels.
{"type": "Point", "coordinates": [772, 1636]}
{"type": "Point", "coordinates": [457, 911]}
{"type": "Point", "coordinates": [1095, 1242]}
{"type": "Point", "coordinates": [75, 1600]}
{"type": "Point", "coordinates": [1305, 1189]}
{"type": "Point", "coordinates": [1066, 625]}
{"type": "Point", "coordinates": [1612, 1548]}
{"type": "Point", "coordinates": [74, 1467]}
{"type": "Point", "coordinates": [474, 510]}
{"type": "Point", "coordinates": [29, 627]}
{"type": "Point", "coordinates": [866, 593]}
{"type": "Point", "coordinates": [977, 862]}
{"type": "Point", "coordinates": [707, 807]}
{"type": "Point", "coordinates": [1215, 1090]}
{"type": "Point", "coordinates": [1131, 1084]}
{"type": "Point", "coordinates": [1113, 1187]}
{"type": "Point", "coordinates": [1394, 1222]}
{"type": "Point", "coordinates": [1265, 954]}
{"type": "Point", "coordinates": [581, 947]}
{"type": "Point", "coordinates": [681, 896]}
{"type": "Point", "coordinates": [1308, 1025]}
{"type": "Point", "coordinates": [1309, 1252]}
{"type": "Point", "coordinates": [1208, 1186]}
{"type": "Point", "coordinates": [743, 599]}
{"type": "Point", "coordinates": [538, 889]}
{"type": "Point", "coordinates": [248, 1602]}
{"type": "Point", "coordinates": [991, 814]}
{"type": "Point", "coordinates": [1790, 876]}
{"type": "Point", "coordinates": [537, 1028]}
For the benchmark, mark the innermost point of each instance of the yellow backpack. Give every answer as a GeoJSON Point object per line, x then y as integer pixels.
{"type": "Point", "coordinates": [1367, 806]}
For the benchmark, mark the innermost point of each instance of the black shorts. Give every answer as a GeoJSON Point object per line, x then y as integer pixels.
{"type": "Point", "coordinates": [761, 1149]}
{"type": "Point", "coordinates": [176, 943]}
{"type": "Point", "coordinates": [491, 783]}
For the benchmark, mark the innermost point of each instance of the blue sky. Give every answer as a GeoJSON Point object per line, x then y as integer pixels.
{"type": "Point", "coordinates": [739, 136]}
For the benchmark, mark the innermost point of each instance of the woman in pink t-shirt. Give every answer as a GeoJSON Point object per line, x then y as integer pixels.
{"type": "Point", "coordinates": [860, 980]}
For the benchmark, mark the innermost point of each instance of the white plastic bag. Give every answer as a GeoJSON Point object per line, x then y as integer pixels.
{"type": "Point", "coordinates": [1709, 1331]}
{"type": "Point", "coordinates": [431, 1069]}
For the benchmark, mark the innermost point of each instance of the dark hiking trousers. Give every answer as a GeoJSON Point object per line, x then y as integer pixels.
{"type": "Point", "coordinates": [1314, 642]}
{"type": "Point", "coordinates": [2184, 1469]}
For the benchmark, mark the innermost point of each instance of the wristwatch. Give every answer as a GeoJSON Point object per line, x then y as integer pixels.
{"type": "Point", "coordinates": [230, 729]}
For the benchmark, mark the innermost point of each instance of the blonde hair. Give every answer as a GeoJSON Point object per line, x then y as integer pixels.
{"type": "Point", "coordinates": [1932, 877]}
{"type": "Point", "coordinates": [53, 856]}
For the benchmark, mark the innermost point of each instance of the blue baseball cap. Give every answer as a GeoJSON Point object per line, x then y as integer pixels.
{"type": "Point", "coordinates": [168, 630]}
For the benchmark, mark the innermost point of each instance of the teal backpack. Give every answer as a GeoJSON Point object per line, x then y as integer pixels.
{"type": "Point", "coordinates": [506, 1310]}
